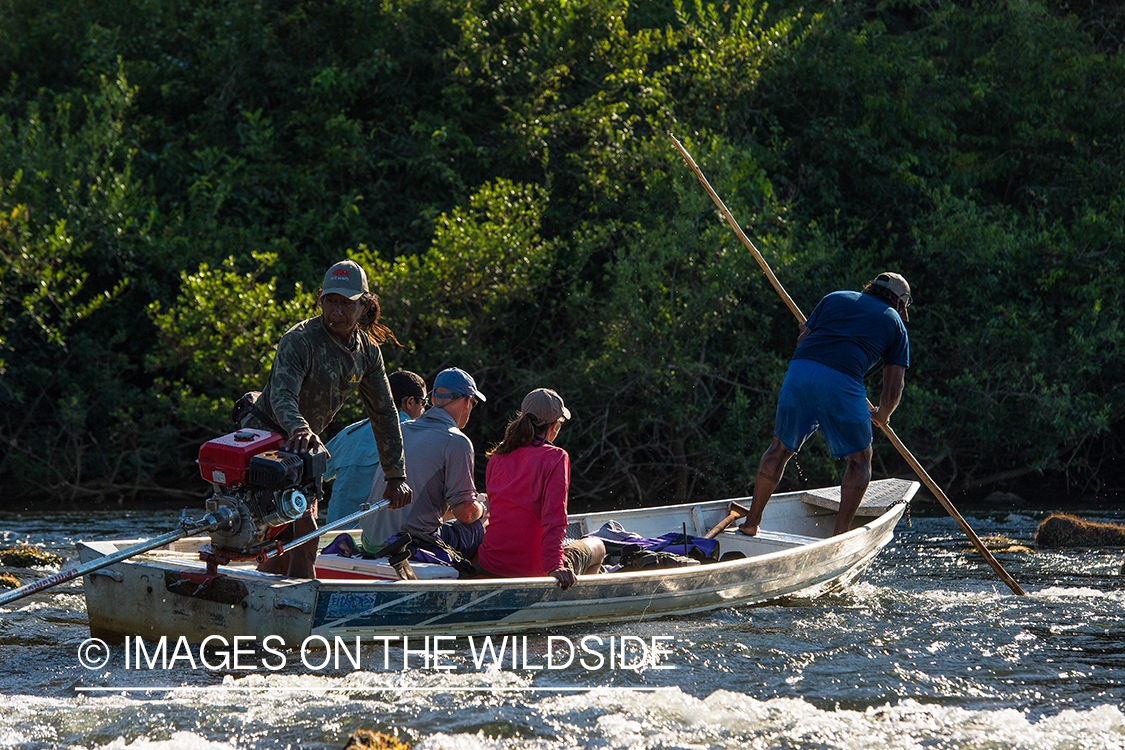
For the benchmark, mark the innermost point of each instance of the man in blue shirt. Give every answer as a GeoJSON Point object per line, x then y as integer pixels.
{"type": "Point", "coordinates": [353, 457]}
{"type": "Point", "coordinates": [847, 334]}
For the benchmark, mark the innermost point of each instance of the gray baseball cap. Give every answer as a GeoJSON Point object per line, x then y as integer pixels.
{"type": "Point", "coordinates": [345, 278]}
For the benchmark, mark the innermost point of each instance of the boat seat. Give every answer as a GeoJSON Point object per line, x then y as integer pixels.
{"type": "Point", "coordinates": [575, 530]}
{"type": "Point", "coordinates": [361, 568]}
{"type": "Point", "coordinates": [763, 542]}
{"type": "Point", "coordinates": [880, 497]}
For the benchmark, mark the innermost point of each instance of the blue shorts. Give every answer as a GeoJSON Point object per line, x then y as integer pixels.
{"type": "Point", "coordinates": [816, 396]}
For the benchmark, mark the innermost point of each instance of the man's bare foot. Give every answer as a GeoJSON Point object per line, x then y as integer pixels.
{"type": "Point", "coordinates": [748, 530]}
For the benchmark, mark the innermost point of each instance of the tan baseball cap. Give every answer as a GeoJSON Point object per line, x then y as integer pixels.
{"type": "Point", "coordinates": [898, 285]}
{"type": "Point", "coordinates": [345, 278]}
{"type": "Point", "coordinates": [545, 405]}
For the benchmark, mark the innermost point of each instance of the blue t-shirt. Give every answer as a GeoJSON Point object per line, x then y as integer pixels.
{"type": "Point", "coordinates": [851, 331]}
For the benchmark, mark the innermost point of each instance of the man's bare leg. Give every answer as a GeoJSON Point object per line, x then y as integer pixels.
{"type": "Point", "coordinates": [770, 469]}
{"type": "Point", "coordinates": [856, 478]}
{"type": "Point", "coordinates": [597, 554]}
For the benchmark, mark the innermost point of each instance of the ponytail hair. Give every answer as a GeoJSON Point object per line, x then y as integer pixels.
{"type": "Point", "coordinates": [369, 321]}
{"type": "Point", "coordinates": [521, 432]}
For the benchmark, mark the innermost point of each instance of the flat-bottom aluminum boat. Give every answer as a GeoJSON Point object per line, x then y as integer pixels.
{"type": "Point", "coordinates": [166, 592]}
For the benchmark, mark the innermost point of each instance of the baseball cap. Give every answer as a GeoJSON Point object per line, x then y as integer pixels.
{"type": "Point", "coordinates": [898, 285]}
{"type": "Point", "coordinates": [545, 405]}
{"type": "Point", "coordinates": [458, 383]}
{"type": "Point", "coordinates": [345, 278]}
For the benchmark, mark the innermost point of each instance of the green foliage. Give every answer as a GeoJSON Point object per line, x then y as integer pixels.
{"type": "Point", "coordinates": [71, 223]}
{"type": "Point", "coordinates": [1027, 340]}
{"type": "Point", "coordinates": [40, 280]}
{"type": "Point", "coordinates": [470, 300]}
{"type": "Point", "coordinates": [174, 176]}
{"type": "Point", "coordinates": [449, 304]}
{"type": "Point", "coordinates": [670, 342]}
{"type": "Point", "coordinates": [978, 150]}
{"type": "Point", "coordinates": [219, 339]}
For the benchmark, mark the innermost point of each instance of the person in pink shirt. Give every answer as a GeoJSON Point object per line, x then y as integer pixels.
{"type": "Point", "coordinates": [527, 481]}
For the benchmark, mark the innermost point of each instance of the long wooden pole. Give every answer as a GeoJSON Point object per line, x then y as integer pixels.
{"type": "Point", "coordinates": [921, 472]}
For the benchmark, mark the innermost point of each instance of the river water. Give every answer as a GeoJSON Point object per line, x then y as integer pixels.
{"type": "Point", "coordinates": [928, 650]}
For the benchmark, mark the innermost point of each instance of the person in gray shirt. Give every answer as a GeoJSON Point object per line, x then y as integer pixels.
{"type": "Point", "coordinates": [439, 462]}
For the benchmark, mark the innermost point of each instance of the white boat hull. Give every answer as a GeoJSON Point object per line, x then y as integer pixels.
{"type": "Point", "coordinates": [793, 554]}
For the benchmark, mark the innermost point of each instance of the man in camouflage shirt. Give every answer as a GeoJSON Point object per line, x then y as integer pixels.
{"type": "Point", "coordinates": [319, 363]}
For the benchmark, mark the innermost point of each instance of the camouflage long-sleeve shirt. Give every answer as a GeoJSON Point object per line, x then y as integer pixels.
{"type": "Point", "coordinates": [313, 375]}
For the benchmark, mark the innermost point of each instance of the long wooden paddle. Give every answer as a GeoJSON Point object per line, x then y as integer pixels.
{"type": "Point", "coordinates": [922, 474]}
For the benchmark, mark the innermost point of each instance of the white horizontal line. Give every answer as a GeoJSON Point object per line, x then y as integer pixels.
{"type": "Point", "coordinates": [364, 688]}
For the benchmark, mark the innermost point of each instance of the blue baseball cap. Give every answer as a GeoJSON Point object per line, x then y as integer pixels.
{"type": "Point", "coordinates": [458, 382]}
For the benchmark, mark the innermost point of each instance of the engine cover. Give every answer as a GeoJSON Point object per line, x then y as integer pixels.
{"type": "Point", "coordinates": [275, 470]}
{"type": "Point", "coordinates": [225, 461]}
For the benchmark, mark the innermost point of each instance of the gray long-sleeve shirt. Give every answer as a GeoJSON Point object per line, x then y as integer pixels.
{"type": "Point", "coordinates": [439, 461]}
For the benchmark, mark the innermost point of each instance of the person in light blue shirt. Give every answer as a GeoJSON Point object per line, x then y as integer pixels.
{"type": "Point", "coordinates": [847, 335]}
{"type": "Point", "coordinates": [354, 457]}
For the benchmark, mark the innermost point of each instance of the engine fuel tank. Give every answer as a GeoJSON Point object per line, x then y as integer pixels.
{"type": "Point", "coordinates": [225, 460]}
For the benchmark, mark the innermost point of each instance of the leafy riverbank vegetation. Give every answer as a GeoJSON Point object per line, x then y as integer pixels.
{"type": "Point", "coordinates": [175, 177]}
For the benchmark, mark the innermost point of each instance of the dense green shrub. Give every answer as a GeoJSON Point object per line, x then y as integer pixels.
{"type": "Point", "coordinates": [174, 178]}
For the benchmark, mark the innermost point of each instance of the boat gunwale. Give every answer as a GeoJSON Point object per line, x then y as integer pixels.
{"type": "Point", "coordinates": [891, 515]}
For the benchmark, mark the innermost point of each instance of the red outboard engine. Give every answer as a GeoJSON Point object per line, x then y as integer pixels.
{"type": "Point", "coordinates": [267, 487]}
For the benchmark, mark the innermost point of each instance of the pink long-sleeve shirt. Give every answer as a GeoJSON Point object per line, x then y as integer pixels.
{"type": "Point", "coordinates": [527, 492]}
